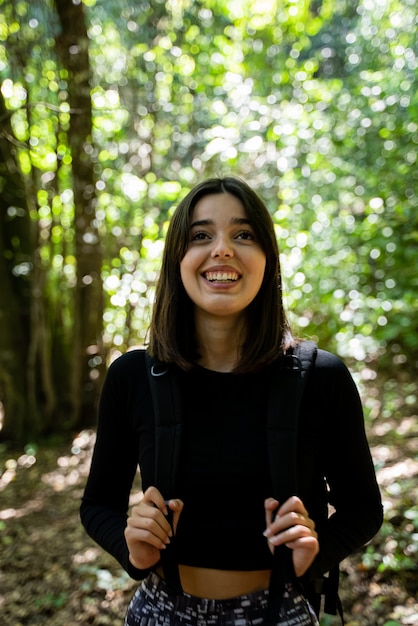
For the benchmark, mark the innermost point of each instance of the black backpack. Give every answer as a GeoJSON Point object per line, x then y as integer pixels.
{"type": "Point", "coordinates": [282, 435]}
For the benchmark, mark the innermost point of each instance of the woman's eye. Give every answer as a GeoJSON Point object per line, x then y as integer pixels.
{"type": "Point", "coordinates": [246, 234]}
{"type": "Point", "coordinates": [199, 236]}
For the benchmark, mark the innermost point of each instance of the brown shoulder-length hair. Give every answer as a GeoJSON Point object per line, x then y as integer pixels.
{"type": "Point", "coordinates": [172, 330]}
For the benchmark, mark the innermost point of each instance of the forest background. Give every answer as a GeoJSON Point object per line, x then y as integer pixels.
{"type": "Point", "coordinates": [109, 112]}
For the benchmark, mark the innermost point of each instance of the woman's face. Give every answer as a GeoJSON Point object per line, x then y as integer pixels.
{"type": "Point", "coordinates": [223, 268]}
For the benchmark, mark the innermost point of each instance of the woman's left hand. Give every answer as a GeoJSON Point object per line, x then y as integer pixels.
{"type": "Point", "coordinates": [291, 525]}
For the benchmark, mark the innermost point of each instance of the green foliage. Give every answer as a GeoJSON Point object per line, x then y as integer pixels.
{"type": "Point", "coordinates": [314, 103]}
{"type": "Point", "coordinates": [51, 601]}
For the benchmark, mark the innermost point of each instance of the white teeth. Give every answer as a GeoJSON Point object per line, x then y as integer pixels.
{"type": "Point", "coordinates": [221, 276]}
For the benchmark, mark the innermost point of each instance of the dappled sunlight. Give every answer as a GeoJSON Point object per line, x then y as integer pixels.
{"type": "Point", "coordinates": [73, 468]}
{"type": "Point", "coordinates": [54, 570]}
{"type": "Point", "coordinates": [70, 470]}
{"type": "Point", "coordinates": [35, 504]}
{"type": "Point", "coordinates": [12, 466]}
{"type": "Point", "coordinates": [89, 555]}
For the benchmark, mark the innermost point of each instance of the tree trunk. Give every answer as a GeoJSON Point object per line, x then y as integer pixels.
{"type": "Point", "coordinates": [15, 302]}
{"type": "Point", "coordinates": [88, 359]}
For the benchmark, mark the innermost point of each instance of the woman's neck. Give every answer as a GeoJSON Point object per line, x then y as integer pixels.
{"type": "Point", "coordinates": [219, 343]}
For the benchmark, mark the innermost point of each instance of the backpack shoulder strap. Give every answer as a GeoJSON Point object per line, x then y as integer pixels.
{"type": "Point", "coordinates": [286, 398]}
{"type": "Point", "coordinates": [282, 438]}
{"type": "Point", "coordinates": [166, 401]}
{"type": "Point", "coordinates": [168, 424]}
{"type": "Point", "coordinates": [283, 415]}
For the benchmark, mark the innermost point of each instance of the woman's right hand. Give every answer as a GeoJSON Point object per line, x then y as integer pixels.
{"type": "Point", "coordinates": [148, 530]}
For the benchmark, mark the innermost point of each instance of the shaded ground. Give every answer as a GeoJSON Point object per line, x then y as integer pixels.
{"type": "Point", "coordinates": [52, 573]}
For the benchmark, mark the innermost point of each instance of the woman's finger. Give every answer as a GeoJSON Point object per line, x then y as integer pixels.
{"type": "Point", "coordinates": [291, 535]}
{"type": "Point", "coordinates": [176, 507]}
{"type": "Point", "coordinates": [290, 515]}
{"type": "Point", "coordinates": [293, 504]}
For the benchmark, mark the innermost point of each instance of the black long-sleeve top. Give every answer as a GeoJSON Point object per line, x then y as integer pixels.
{"type": "Point", "coordinates": [224, 474]}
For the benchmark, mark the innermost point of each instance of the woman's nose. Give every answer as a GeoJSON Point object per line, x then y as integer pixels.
{"type": "Point", "coordinates": [222, 248]}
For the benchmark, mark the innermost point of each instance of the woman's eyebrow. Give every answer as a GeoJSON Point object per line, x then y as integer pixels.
{"type": "Point", "coordinates": [234, 220]}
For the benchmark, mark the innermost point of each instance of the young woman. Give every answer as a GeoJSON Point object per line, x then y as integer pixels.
{"type": "Point", "coordinates": [219, 322]}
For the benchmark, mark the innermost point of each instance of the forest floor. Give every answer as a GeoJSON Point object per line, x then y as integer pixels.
{"type": "Point", "coordinates": [52, 573]}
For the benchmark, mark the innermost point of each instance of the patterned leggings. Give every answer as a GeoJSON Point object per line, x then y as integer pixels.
{"type": "Point", "coordinates": [153, 606]}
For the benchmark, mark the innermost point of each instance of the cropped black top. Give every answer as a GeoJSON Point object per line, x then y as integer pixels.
{"type": "Point", "coordinates": [224, 475]}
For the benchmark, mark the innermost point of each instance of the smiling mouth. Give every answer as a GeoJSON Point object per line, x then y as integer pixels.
{"type": "Point", "coordinates": [221, 277]}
